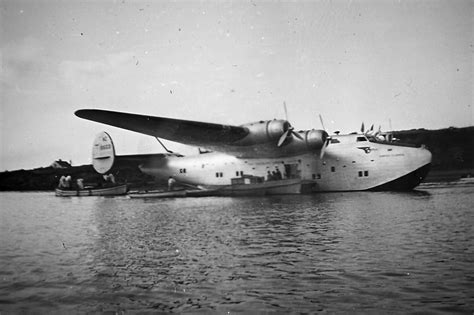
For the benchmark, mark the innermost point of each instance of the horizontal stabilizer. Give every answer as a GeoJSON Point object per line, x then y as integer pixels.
{"type": "Point", "coordinates": [104, 158]}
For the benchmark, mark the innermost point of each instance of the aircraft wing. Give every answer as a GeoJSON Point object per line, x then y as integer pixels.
{"type": "Point", "coordinates": [201, 134]}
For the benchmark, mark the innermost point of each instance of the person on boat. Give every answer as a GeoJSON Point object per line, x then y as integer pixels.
{"type": "Point", "coordinates": [278, 174]}
{"type": "Point", "coordinates": [171, 183]}
{"type": "Point", "coordinates": [269, 176]}
{"type": "Point", "coordinates": [109, 179]}
{"type": "Point", "coordinates": [68, 181]}
{"type": "Point", "coordinates": [62, 182]}
{"type": "Point", "coordinates": [80, 183]}
{"type": "Point", "coordinates": [112, 178]}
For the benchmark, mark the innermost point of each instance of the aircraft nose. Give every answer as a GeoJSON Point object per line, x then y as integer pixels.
{"type": "Point", "coordinates": [426, 154]}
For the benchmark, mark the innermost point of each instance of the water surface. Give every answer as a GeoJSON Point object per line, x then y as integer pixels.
{"type": "Point", "coordinates": [338, 252]}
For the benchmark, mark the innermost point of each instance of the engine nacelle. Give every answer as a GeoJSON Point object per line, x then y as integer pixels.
{"type": "Point", "coordinates": [265, 131]}
{"type": "Point", "coordinates": [315, 139]}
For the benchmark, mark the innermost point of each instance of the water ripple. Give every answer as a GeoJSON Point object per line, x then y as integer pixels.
{"type": "Point", "coordinates": [341, 252]}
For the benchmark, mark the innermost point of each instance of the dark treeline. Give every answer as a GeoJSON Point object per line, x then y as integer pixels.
{"type": "Point", "coordinates": [452, 150]}
{"type": "Point", "coordinates": [47, 178]}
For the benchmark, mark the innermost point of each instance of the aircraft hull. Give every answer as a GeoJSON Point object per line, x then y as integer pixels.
{"type": "Point", "coordinates": [347, 165]}
{"type": "Point", "coordinates": [406, 182]}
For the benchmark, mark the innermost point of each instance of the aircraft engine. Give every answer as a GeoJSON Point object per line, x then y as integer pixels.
{"type": "Point", "coordinates": [311, 140]}
{"type": "Point", "coordinates": [315, 139]}
{"type": "Point", "coordinates": [265, 131]}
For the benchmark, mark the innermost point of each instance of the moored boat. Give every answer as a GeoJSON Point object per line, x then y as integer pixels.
{"type": "Point", "coordinates": [242, 187]}
{"type": "Point", "coordinates": [157, 194]}
{"type": "Point", "coordinates": [274, 187]}
{"type": "Point", "coordinates": [103, 191]}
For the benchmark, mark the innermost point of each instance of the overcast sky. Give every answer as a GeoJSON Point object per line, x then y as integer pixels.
{"type": "Point", "coordinates": [410, 62]}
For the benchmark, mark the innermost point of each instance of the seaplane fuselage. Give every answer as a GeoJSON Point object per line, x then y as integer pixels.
{"type": "Point", "coordinates": [351, 162]}
{"type": "Point", "coordinates": [264, 152]}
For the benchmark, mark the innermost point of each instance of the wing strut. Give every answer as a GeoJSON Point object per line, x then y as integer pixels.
{"type": "Point", "coordinates": [169, 151]}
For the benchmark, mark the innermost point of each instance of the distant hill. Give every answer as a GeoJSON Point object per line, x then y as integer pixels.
{"type": "Point", "coordinates": [47, 178]}
{"type": "Point", "coordinates": [452, 148]}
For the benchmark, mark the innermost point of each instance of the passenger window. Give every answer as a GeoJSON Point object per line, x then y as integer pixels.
{"type": "Point", "coordinates": [360, 173]}
{"type": "Point", "coordinates": [333, 169]}
{"type": "Point", "coordinates": [366, 173]}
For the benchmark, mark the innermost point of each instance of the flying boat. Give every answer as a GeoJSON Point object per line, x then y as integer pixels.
{"type": "Point", "coordinates": [265, 157]}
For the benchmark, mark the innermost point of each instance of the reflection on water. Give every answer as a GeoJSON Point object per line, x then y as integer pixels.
{"type": "Point", "coordinates": [339, 252]}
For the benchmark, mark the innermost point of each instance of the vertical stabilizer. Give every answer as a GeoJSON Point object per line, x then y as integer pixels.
{"type": "Point", "coordinates": [103, 153]}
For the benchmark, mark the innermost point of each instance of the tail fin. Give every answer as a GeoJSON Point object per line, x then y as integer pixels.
{"type": "Point", "coordinates": [103, 153]}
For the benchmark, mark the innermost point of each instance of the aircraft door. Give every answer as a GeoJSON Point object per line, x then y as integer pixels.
{"type": "Point", "coordinates": [292, 171]}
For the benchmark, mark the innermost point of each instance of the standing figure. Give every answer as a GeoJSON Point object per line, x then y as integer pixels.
{"type": "Point", "coordinates": [171, 182]}
{"type": "Point", "coordinates": [278, 174]}
{"type": "Point", "coordinates": [62, 182]}
{"type": "Point", "coordinates": [68, 181]}
{"type": "Point", "coordinates": [80, 183]}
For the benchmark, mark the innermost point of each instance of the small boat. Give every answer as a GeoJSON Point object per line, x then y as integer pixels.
{"type": "Point", "coordinates": [93, 191]}
{"type": "Point", "coordinates": [157, 194]}
{"type": "Point", "coordinates": [173, 193]}
{"type": "Point", "coordinates": [248, 187]}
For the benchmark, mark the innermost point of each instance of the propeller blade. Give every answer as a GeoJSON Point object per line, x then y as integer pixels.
{"type": "Point", "coordinates": [297, 135]}
{"type": "Point", "coordinates": [362, 128]}
{"type": "Point", "coordinates": [378, 131]}
{"type": "Point", "coordinates": [286, 112]}
{"type": "Point", "coordinates": [322, 123]}
{"type": "Point", "coordinates": [323, 149]}
{"type": "Point", "coordinates": [283, 137]}
{"type": "Point", "coordinates": [372, 127]}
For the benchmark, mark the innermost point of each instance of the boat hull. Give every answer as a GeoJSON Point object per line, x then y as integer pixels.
{"type": "Point", "coordinates": [107, 191]}
{"type": "Point", "coordinates": [158, 194]}
{"type": "Point", "coordinates": [276, 187]}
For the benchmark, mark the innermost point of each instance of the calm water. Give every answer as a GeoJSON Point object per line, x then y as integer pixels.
{"type": "Point", "coordinates": [339, 252]}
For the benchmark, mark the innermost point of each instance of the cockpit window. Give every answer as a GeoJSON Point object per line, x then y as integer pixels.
{"type": "Point", "coordinates": [360, 139]}
{"type": "Point", "coordinates": [335, 141]}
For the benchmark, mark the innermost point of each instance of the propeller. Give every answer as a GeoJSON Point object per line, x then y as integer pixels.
{"type": "Point", "coordinates": [326, 140]}
{"type": "Point", "coordinates": [362, 128]}
{"type": "Point", "coordinates": [323, 149]}
{"type": "Point", "coordinates": [378, 131]}
{"type": "Point", "coordinates": [289, 131]}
